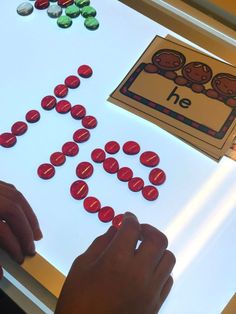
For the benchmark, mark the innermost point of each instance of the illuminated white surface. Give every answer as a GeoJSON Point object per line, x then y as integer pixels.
{"type": "Point", "coordinates": [36, 55]}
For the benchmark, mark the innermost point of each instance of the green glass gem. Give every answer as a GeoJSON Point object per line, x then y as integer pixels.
{"type": "Point", "coordinates": [88, 11]}
{"type": "Point", "coordinates": [82, 3]}
{"type": "Point", "coordinates": [91, 23]}
{"type": "Point", "coordinates": [72, 11]}
{"type": "Point", "coordinates": [64, 21]}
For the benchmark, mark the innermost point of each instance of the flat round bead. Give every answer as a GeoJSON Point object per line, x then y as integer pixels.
{"type": "Point", "coordinates": [98, 155]}
{"type": "Point", "coordinates": [149, 159]}
{"type": "Point", "coordinates": [61, 91]}
{"type": "Point", "coordinates": [32, 116]}
{"type": "Point", "coordinates": [157, 176]}
{"type": "Point", "coordinates": [57, 159]}
{"type": "Point", "coordinates": [65, 3]}
{"type": "Point", "coordinates": [92, 204]}
{"type": "Point", "coordinates": [136, 184]}
{"type": "Point", "coordinates": [117, 221]}
{"type": "Point", "coordinates": [91, 23]}
{"type": "Point", "coordinates": [89, 122]}
{"type": "Point", "coordinates": [84, 170]}
{"type": "Point", "coordinates": [7, 140]}
{"type": "Point", "coordinates": [63, 106]}
{"type": "Point", "coordinates": [85, 71]}
{"type": "Point", "coordinates": [87, 11]}
{"type": "Point", "coordinates": [125, 174]}
{"type": "Point", "coordinates": [72, 81]}
{"type": "Point", "coordinates": [64, 21]}
{"type": "Point", "coordinates": [81, 135]}
{"type": "Point", "coordinates": [19, 128]}
{"type": "Point", "coordinates": [112, 147]}
{"type": "Point", "coordinates": [82, 3]}
{"type": "Point", "coordinates": [79, 189]}
{"type": "Point", "coordinates": [111, 165]}
{"type": "Point", "coordinates": [46, 171]}
{"type": "Point", "coordinates": [48, 102]}
{"type": "Point", "coordinates": [78, 112]}
{"type": "Point", "coordinates": [72, 11]}
{"type": "Point", "coordinates": [54, 11]}
{"type": "Point", "coordinates": [106, 214]}
{"type": "Point", "coordinates": [41, 4]}
{"type": "Point", "coordinates": [25, 8]}
{"type": "Point", "coordinates": [131, 148]}
{"type": "Point", "coordinates": [70, 149]}
{"type": "Point", "coordinates": [150, 192]}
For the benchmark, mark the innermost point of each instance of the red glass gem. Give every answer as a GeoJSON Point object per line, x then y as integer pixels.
{"type": "Point", "coordinates": [124, 174]}
{"type": "Point", "coordinates": [78, 112]}
{"type": "Point", "coordinates": [89, 122]}
{"type": "Point", "coordinates": [46, 171]}
{"type": "Point", "coordinates": [157, 176]}
{"type": "Point", "coordinates": [32, 116]}
{"type": "Point", "coordinates": [61, 91]}
{"type": "Point", "coordinates": [85, 71]}
{"type": "Point", "coordinates": [7, 140]}
{"type": "Point", "coordinates": [81, 135]}
{"type": "Point", "coordinates": [136, 184]}
{"type": "Point", "coordinates": [149, 159]}
{"type": "Point", "coordinates": [112, 147]}
{"type": "Point", "coordinates": [150, 192]}
{"type": "Point", "coordinates": [79, 189]}
{"type": "Point", "coordinates": [84, 170]}
{"type": "Point", "coordinates": [92, 204]}
{"type": "Point", "coordinates": [63, 106]}
{"type": "Point", "coordinates": [117, 221]}
{"type": "Point", "coordinates": [19, 128]}
{"type": "Point", "coordinates": [65, 3]}
{"type": "Point", "coordinates": [48, 102]}
{"type": "Point", "coordinates": [106, 214]}
{"type": "Point", "coordinates": [41, 4]}
{"type": "Point", "coordinates": [98, 155]}
{"type": "Point", "coordinates": [72, 81]}
{"type": "Point", "coordinates": [131, 148]}
{"type": "Point", "coordinates": [111, 165]}
{"type": "Point", "coordinates": [70, 149]}
{"type": "Point", "coordinates": [57, 159]}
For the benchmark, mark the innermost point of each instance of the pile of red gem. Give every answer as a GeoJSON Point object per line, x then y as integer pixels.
{"type": "Point", "coordinates": [125, 174]}
{"type": "Point", "coordinates": [9, 139]}
{"type": "Point", "coordinates": [80, 190]}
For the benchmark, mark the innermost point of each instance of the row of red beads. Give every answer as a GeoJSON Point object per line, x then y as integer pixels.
{"type": "Point", "coordinates": [8, 139]}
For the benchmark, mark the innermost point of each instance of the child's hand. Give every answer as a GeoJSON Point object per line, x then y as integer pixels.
{"type": "Point", "coordinates": [19, 226]}
{"type": "Point", "coordinates": [113, 277]}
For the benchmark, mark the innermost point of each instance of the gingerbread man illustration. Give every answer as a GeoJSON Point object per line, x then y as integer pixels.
{"type": "Point", "coordinates": [224, 88]}
{"type": "Point", "coordinates": [195, 75]}
{"type": "Point", "coordinates": [166, 62]}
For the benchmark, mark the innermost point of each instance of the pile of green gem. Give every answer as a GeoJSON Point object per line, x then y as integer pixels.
{"type": "Point", "coordinates": [79, 7]}
{"type": "Point", "coordinates": [83, 8]}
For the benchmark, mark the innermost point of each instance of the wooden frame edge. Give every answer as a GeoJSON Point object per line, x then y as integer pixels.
{"type": "Point", "coordinates": [174, 22]}
{"type": "Point", "coordinates": [45, 273]}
